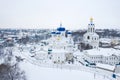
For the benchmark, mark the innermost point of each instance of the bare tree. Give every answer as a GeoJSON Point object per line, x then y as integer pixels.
{"type": "Point", "coordinates": [9, 69]}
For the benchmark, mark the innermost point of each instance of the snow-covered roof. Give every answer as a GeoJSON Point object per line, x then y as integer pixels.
{"type": "Point", "coordinates": [61, 41]}
{"type": "Point", "coordinates": [60, 51]}
{"type": "Point", "coordinates": [118, 47]}
{"type": "Point", "coordinates": [78, 53]}
{"type": "Point", "coordinates": [41, 51]}
{"type": "Point", "coordinates": [105, 40]}
{"type": "Point", "coordinates": [105, 66]}
{"type": "Point", "coordinates": [91, 34]}
{"type": "Point", "coordinates": [103, 51]}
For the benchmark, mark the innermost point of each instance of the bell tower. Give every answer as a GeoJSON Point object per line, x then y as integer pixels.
{"type": "Point", "coordinates": [90, 37]}
{"type": "Point", "coordinates": [91, 26]}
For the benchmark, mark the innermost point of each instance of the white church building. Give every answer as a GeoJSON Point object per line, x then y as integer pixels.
{"type": "Point", "coordinates": [103, 55]}
{"type": "Point", "coordinates": [90, 37]}
{"type": "Point", "coordinates": [98, 55]}
{"type": "Point", "coordinates": [61, 39]}
{"type": "Point", "coordinates": [60, 44]}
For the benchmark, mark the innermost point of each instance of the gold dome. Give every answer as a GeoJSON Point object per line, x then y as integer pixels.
{"type": "Point", "coordinates": [91, 19]}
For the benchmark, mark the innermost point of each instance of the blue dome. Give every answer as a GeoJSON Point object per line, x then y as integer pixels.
{"type": "Point", "coordinates": [61, 29]}
{"type": "Point", "coordinates": [53, 32]}
{"type": "Point", "coordinates": [69, 32]}
{"type": "Point", "coordinates": [58, 33]}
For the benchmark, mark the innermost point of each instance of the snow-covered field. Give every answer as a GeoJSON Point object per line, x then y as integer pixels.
{"type": "Point", "coordinates": [35, 72]}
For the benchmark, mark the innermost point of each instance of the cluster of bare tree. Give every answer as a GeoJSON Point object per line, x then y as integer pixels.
{"type": "Point", "coordinates": [11, 72]}
{"type": "Point", "coordinates": [9, 69]}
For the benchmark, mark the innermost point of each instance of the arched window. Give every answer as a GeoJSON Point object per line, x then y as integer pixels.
{"type": "Point", "coordinates": [93, 29]}
{"type": "Point", "coordinates": [88, 37]}
{"type": "Point", "coordinates": [95, 38]}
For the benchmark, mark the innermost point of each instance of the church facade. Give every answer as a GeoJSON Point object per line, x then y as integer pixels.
{"type": "Point", "coordinates": [91, 37]}
{"type": "Point", "coordinates": [61, 44]}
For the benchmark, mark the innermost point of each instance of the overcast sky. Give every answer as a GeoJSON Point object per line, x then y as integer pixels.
{"type": "Point", "coordinates": [74, 14]}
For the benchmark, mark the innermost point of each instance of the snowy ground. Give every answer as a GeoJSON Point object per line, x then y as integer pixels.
{"type": "Point", "coordinates": [34, 72]}
{"type": "Point", "coordinates": [37, 70]}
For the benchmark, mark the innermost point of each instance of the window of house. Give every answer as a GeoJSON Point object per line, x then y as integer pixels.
{"type": "Point", "coordinates": [88, 37]}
